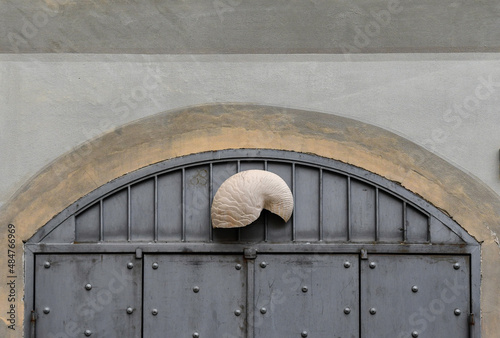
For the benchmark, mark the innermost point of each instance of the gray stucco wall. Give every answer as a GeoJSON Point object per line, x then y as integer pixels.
{"type": "Point", "coordinates": [254, 26]}
{"type": "Point", "coordinates": [50, 103]}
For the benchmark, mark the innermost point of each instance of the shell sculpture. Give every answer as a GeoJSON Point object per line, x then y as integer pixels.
{"type": "Point", "coordinates": [241, 198]}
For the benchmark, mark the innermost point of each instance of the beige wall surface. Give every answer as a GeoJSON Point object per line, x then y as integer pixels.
{"type": "Point", "coordinates": [213, 127]}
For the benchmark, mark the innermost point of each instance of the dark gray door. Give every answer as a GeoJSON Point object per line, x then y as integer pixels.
{"type": "Point", "coordinates": [415, 296]}
{"type": "Point", "coordinates": [96, 295]}
{"type": "Point", "coordinates": [307, 296]}
{"type": "Point", "coordinates": [273, 296]}
{"type": "Point", "coordinates": [195, 296]}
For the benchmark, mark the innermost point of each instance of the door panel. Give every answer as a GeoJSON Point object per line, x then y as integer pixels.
{"type": "Point", "coordinates": [306, 295]}
{"type": "Point", "coordinates": [195, 294]}
{"type": "Point", "coordinates": [91, 292]}
{"type": "Point", "coordinates": [294, 295]}
{"type": "Point", "coordinates": [415, 296]}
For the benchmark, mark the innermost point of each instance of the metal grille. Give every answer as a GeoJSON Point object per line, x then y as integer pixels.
{"type": "Point", "coordinates": [332, 204]}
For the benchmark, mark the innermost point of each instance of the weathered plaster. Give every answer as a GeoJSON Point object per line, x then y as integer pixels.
{"type": "Point", "coordinates": [52, 103]}
{"type": "Point", "coordinates": [236, 26]}
{"type": "Point", "coordinates": [226, 126]}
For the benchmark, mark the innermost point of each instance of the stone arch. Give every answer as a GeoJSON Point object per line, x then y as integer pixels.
{"type": "Point", "coordinates": [234, 126]}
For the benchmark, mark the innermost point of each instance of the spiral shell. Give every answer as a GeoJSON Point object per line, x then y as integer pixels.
{"type": "Point", "coordinates": [241, 198]}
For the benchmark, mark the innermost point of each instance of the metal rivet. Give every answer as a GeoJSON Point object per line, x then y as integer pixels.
{"type": "Point", "coordinates": [457, 312]}
{"type": "Point", "coordinates": [372, 265]}
{"type": "Point", "coordinates": [347, 265]}
{"type": "Point", "coordinates": [304, 288]}
{"type": "Point", "coordinates": [46, 265]}
{"type": "Point", "coordinates": [155, 265]}
{"type": "Point", "coordinates": [303, 334]}
{"type": "Point", "coordinates": [263, 310]}
{"type": "Point", "coordinates": [46, 310]}
{"type": "Point", "coordinates": [130, 310]}
{"type": "Point", "coordinates": [414, 334]}
{"type": "Point", "coordinates": [88, 286]}
{"type": "Point", "coordinates": [237, 312]}
{"type": "Point", "coordinates": [196, 289]}
{"type": "Point", "coordinates": [88, 333]}
{"type": "Point", "coordinates": [347, 310]}
{"type": "Point", "coordinates": [130, 265]}
{"type": "Point", "coordinates": [414, 288]}
{"type": "Point", "coordinates": [263, 264]}
{"type": "Point", "coordinates": [196, 335]}
{"type": "Point", "coordinates": [154, 312]}
{"type": "Point", "coordinates": [456, 266]}
{"type": "Point", "coordinates": [238, 267]}
{"type": "Point", "coordinates": [373, 311]}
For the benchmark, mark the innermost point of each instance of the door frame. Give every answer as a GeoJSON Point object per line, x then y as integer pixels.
{"type": "Point", "coordinates": [35, 245]}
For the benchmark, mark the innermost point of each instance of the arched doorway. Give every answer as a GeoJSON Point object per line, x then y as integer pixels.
{"type": "Point", "coordinates": [361, 256]}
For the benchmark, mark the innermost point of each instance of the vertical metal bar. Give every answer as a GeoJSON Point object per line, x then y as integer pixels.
{"type": "Point", "coordinates": [143, 310]}
{"type": "Point", "coordinates": [183, 232]}
{"type": "Point", "coordinates": [348, 208]}
{"type": "Point", "coordinates": [30, 290]}
{"type": "Point", "coordinates": [429, 228]}
{"type": "Point", "coordinates": [405, 220]}
{"type": "Point", "coordinates": [377, 215]}
{"type": "Point", "coordinates": [238, 169]}
{"type": "Point", "coordinates": [101, 221]}
{"type": "Point", "coordinates": [129, 214]}
{"type": "Point", "coordinates": [432, 222]}
{"type": "Point", "coordinates": [320, 204]}
{"type": "Point", "coordinates": [294, 228]}
{"type": "Point", "coordinates": [210, 198]}
{"type": "Point", "coordinates": [156, 209]}
{"type": "Point", "coordinates": [265, 213]}
{"type": "Point", "coordinates": [360, 290]}
{"type": "Point", "coordinates": [251, 306]}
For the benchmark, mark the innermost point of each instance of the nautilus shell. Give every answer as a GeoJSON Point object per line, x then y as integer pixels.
{"type": "Point", "coordinates": [241, 198]}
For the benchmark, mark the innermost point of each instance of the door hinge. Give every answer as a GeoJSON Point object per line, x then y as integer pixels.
{"type": "Point", "coordinates": [32, 324]}
{"type": "Point", "coordinates": [472, 320]}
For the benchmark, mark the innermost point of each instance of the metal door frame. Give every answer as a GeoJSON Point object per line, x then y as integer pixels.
{"type": "Point", "coordinates": [34, 247]}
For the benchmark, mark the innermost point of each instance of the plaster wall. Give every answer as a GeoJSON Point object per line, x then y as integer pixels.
{"type": "Point", "coordinates": [56, 104]}
{"type": "Point", "coordinates": [50, 103]}
{"type": "Point", "coordinates": [257, 26]}
{"type": "Point", "coordinates": [216, 127]}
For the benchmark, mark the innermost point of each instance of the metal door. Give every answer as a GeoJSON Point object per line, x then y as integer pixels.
{"type": "Point", "coordinates": [195, 296]}
{"type": "Point", "coordinates": [415, 296]}
{"type": "Point", "coordinates": [315, 295]}
{"type": "Point", "coordinates": [95, 295]}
